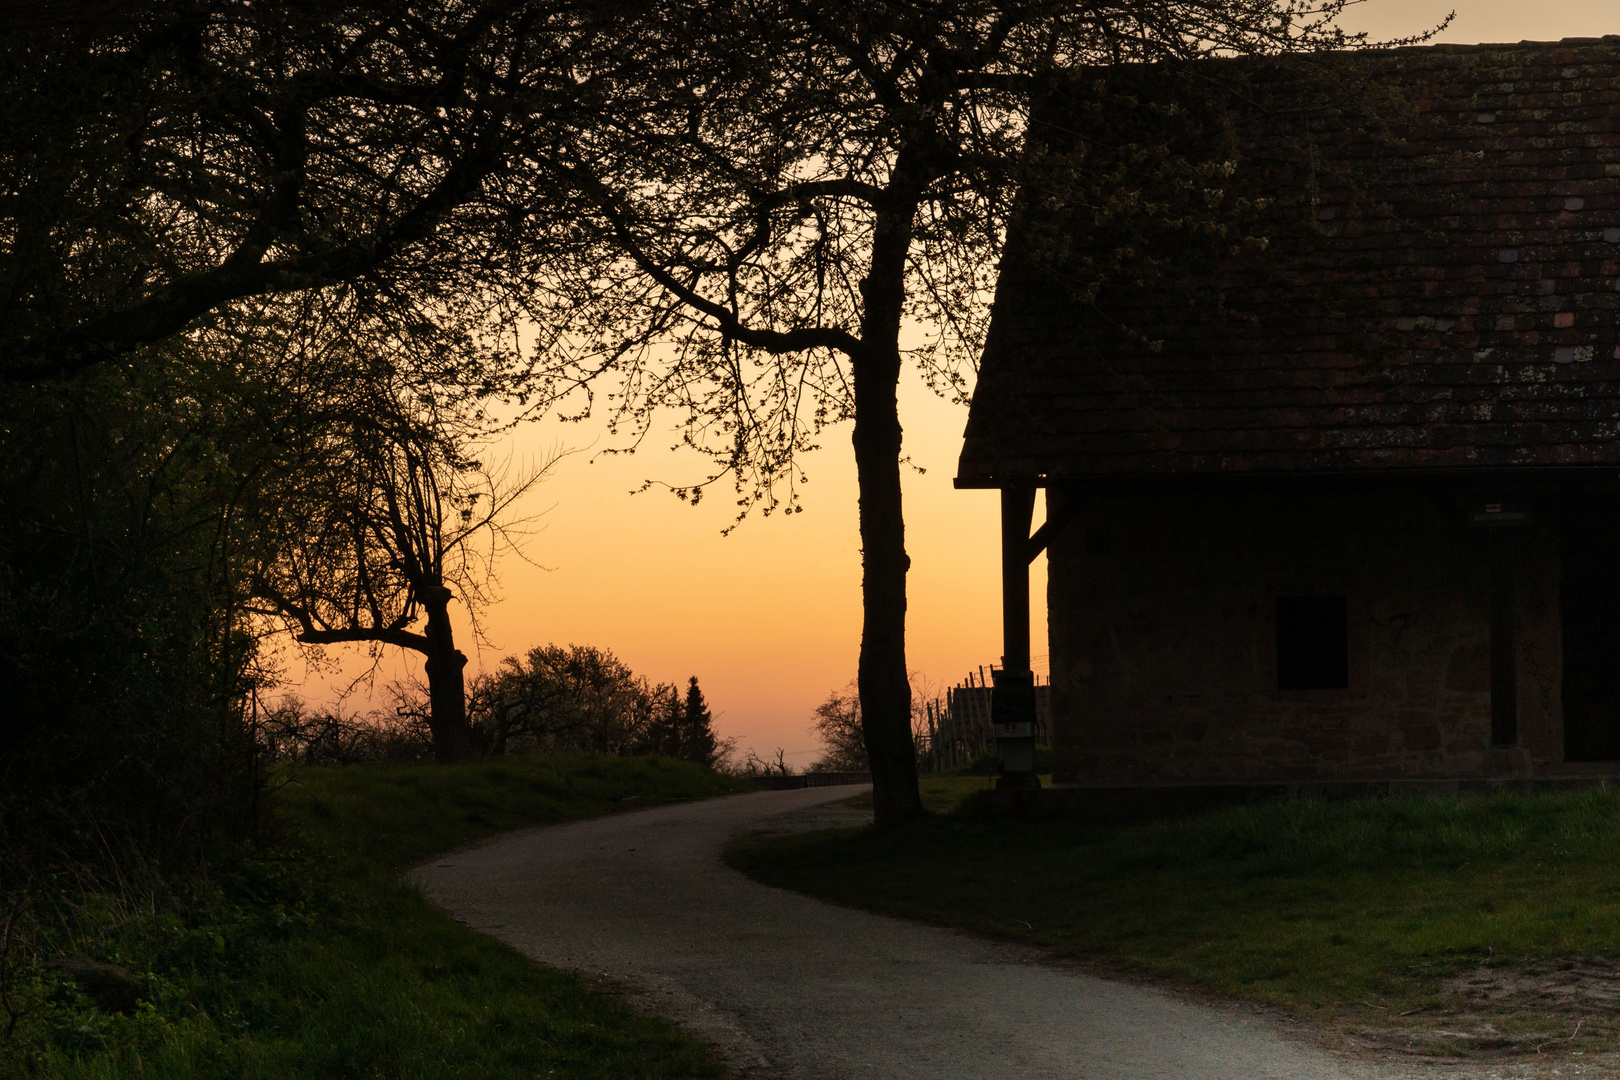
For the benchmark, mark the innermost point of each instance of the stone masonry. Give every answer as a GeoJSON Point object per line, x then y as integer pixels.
{"type": "Point", "coordinates": [1163, 639]}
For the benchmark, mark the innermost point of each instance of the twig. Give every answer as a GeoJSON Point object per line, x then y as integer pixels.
{"type": "Point", "coordinates": [1571, 1037]}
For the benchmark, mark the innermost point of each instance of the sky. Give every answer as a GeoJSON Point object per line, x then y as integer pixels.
{"type": "Point", "coordinates": [768, 617]}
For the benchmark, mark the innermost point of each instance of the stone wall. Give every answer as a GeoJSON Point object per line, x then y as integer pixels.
{"type": "Point", "coordinates": [1163, 638]}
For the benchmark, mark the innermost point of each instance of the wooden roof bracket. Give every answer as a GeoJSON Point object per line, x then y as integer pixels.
{"type": "Point", "coordinates": [1057, 519]}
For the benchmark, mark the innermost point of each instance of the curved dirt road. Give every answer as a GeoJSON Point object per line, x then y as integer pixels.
{"type": "Point", "coordinates": [788, 986]}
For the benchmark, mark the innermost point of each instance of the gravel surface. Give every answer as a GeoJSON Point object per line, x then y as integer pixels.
{"type": "Point", "coordinates": [788, 986]}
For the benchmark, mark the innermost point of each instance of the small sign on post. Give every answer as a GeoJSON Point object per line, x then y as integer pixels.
{"type": "Point", "coordinates": [1012, 717]}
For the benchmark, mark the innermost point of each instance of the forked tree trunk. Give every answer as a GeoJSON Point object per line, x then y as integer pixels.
{"type": "Point", "coordinates": [885, 690]}
{"type": "Point", "coordinates": [447, 692]}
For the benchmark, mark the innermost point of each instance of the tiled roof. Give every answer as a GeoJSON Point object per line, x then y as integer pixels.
{"type": "Point", "coordinates": [1461, 314]}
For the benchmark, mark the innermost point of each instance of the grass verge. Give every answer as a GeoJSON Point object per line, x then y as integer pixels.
{"type": "Point", "coordinates": [1481, 925]}
{"type": "Point", "coordinates": [319, 963]}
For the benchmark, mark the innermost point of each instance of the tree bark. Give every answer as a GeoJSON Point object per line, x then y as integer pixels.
{"type": "Point", "coordinates": [447, 692]}
{"type": "Point", "coordinates": [885, 689]}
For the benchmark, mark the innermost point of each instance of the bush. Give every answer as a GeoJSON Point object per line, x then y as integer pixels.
{"type": "Point", "coordinates": [294, 734]}
{"type": "Point", "coordinates": [581, 699]}
{"type": "Point", "coordinates": [125, 651]}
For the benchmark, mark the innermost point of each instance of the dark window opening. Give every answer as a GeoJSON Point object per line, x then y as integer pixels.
{"type": "Point", "coordinates": [1504, 652]}
{"type": "Point", "coordinates": [1590, 599]}
{"type": "Point", "coordinates": [1313, 643]}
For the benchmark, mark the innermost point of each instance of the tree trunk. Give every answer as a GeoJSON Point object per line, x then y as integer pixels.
{"type": "Point", "coordinates": [447, 694]}
{"type": "Point", "coordinates": [885, 689]}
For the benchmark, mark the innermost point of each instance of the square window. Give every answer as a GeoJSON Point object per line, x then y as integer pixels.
{"type": "Point", "coordinates": [1313, 643]}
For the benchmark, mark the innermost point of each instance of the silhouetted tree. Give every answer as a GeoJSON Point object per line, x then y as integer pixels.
{"type": "Point", "coordinates": [698, 742]}
{"type": "Point", "coordinates": [389, 511]}
{"type": "Point", "coordinates": [837, 723]}
{"type": "Point", "coordinates": [574, 697]}
{"type": "Point", "coordinates": [125, 648]}
{"type": "Point", "coordinates": [581, 698]}
{"type": "Point", "coordinates": [805, 178]}
{"type": "Point", "coordinates": [162, 162]}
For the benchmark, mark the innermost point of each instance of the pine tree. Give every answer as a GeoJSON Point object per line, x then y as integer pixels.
{"type": "Point", "coordinates": [697, 727]}
{"type": "Point", "coordinates": [669, 735]}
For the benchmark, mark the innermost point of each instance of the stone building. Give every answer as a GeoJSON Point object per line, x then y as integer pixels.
{"type": "Point", "coordinates": [1363, 521]}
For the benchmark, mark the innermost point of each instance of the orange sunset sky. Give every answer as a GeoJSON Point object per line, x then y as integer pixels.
{"type": "Point", "coordinates": [768, 617]}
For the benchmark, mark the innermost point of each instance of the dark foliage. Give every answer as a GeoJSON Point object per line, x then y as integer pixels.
{"type": "Point", "coordinates": [292, 733]}
{"type": "Point", "coordinates": [697, 741]}
{"type": "Point", "coordinates": [162, 162]}
{"type": "Point", "coordinates": [837, 723]}
{"type": "Point", "coordinates": [219, 222]}
{"type": "Point", "coordinates": [583, 699]}
{"type": "Point", "coordinates": [123, 648]}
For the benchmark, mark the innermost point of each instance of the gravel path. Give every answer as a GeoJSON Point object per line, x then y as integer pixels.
{"type": "Point", "coordinates": [788, 986]}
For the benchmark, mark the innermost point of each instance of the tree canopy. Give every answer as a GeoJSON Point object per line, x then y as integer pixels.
{"type": "Point", "coordinates": [582, 698]}
{"type": "Point", "coordinates": [388, 519]}
{"type": "Point", "coordinates": [161, 162]}
{"type": "Point", "coordinates": [803, 183]}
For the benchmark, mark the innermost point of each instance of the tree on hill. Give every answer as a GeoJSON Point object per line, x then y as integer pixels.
{"type": "Point", "coordinates": [800, 183]}
{"type": "Point", "coordinates": [393, 520]}
{"type": "Point", "coordinates": [697, 739]}
{"type": "Point", "coordinates": [572, 698]}
{"type": "Point", "coordinates": [582, 698]}
{"type": "Point", "coordinates": [837, 723]}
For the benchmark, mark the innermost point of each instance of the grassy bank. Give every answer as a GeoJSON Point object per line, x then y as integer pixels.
{"type": "Point", "coordinates": [1455, 924]}
{"type": "Point", "coordinates": [315, 962]}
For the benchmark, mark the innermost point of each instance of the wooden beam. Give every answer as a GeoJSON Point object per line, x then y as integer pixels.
{"type": "Point", "coordinates": [1056, 521]}
{"type": "Point", "coordinates": [1017, 508]}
